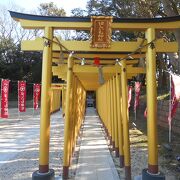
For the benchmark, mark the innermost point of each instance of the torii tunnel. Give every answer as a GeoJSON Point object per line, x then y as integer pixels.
{"type": "Point", "coordinates": [117, 61]}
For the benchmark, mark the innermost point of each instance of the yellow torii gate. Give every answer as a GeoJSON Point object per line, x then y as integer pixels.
{"type": "Point", "coordinates": [82, 78]}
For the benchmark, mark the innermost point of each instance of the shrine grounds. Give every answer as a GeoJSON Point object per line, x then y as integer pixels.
{"type": "Point", "coordinates": [19, 147]}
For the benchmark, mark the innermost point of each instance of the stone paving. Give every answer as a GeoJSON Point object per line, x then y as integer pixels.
{"type": "Point", "coordinates": [95, 161]}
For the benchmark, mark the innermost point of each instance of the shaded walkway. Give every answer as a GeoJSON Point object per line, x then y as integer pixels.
{"type": "Point", "coordinates": [95, 161]}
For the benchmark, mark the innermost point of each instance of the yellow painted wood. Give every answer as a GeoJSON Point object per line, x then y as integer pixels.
{"type": "Point", "coordinates": [61, 76]}
{"type": "Point", "coordinates": [109, 109]}
{"type": "Point", "coordinates": [66, 154]}
{"type": "Point", "coordinates": [55, 99]}
{"type": "Point", "coordinates": [119, 114]}
{"type": "Point", "coordinates": [75, 111]}
{"type": "Point", "coordinates": [130, 46]}
{"type": "Point", "coordinates": [96, 54]}
{"type": "Point", "coordinates": [115, 113]}
{"type": "Point", "coordinates": [111, 62]}
{"type": "Point", "coordinates": [63, 99]}
{"type": "Point", "coordinates": [45, 101]}
{"type": "Point", "coordinates": [79, 105]}
{"type": "Point", "coordinates": [60, 68]}
{"type": "Point", "coordinates": [151, 100]}
{"type": "Point", "coordinates": [93, 69]}
{"type": "Point", "coordinates": [106, 69]}
{"type": "Point", "coordinates": [89, 76]}
{"type": "Point", "coordinates": [88, 79]}
{"type": "Point", "coordinates": [72, 123]}
{"type": "Point", "coordinates": [127, 159]}
{"type": "Point", "coordinates": [112, 111]}
{"type": "Point", "coordinates": [30, 24]}
{"type": "Point", "coordinates": [106, 107]}
{"type": "Point", "coordinates": [94, 85]}
{"type": "Point", "coordinates": [55, 88]}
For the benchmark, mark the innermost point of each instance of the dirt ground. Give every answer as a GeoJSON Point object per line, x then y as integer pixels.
{"type": "Point", "coordinates": [168, 153]}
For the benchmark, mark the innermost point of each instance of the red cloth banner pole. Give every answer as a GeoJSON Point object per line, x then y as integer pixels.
{"type": "Point", "coordinates": [36, 95]}
{"type": "Point", "coordinates": [137, 94]}
{"type": "Point", "coordinates": [129, 95]}
{"type": "Point", "coordinates": [22, 96]}
{"type": "Point", "coordinates": [4, 98]}
{"type": "Point", "coordinates": [175, 96]}
{"type": "Point", "coordinates": [145, 113]}
{"type": "Point", "coordinates": [174, 99]}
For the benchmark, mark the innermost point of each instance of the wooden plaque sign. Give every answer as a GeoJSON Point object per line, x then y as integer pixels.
{"type": "Point", "coordinates": [101, 31]}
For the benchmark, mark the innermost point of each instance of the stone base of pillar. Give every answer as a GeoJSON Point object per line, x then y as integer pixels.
{"type": "Point", "coordinates": [121, 161]}
{"type": "Point", "coordinates": [113, 145]}
{"type": "Point", "coordinates": [43, 176]}
{"type": "Point", "coordinates": [148, 176]}
{"type": "Point", "coordinates": [128, 172]}
{"type": "Point", "coordinates": [116, 152]}
{"type": "Point", "coordinates": [65, 172]}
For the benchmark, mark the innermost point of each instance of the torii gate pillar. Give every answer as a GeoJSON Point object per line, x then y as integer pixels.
{"type": "Point", "coordinates": [44, 172]}
{"type": "Point", "coordinates": [152, 172]}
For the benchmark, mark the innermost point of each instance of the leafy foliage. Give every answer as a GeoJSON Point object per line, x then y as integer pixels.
{"type": "Point", "coordinates": [140, 9]}
{"type": "Point", "coordinates": [17, 65]}
{"type": "Point", "coordinates": [50, 9]}
{"type": "Point", "coordinates": [14, 63]}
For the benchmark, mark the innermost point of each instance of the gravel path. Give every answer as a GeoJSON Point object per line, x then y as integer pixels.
{"type": "Point", "coordinates": [19, 145]}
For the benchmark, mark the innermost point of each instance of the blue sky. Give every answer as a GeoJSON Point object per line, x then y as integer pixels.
{"type": "Point", "coordinates": [31, 5]}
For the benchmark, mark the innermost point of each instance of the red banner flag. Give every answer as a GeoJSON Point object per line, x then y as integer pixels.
{"type": "Point", "coordinates": [4, 97]}
{"type": "Point", "coordinates": [175, 96]}
{"type": "Point", "coordinates": [137, 94]}
{"type": "Point", "coordinates": [129, 95]}
{"type": "Point", "coordinates": [22, 96]}
{"type": "Point", "coordinates": [36, 95]}
{"type": "Point", "coordinates": [145, 113]}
